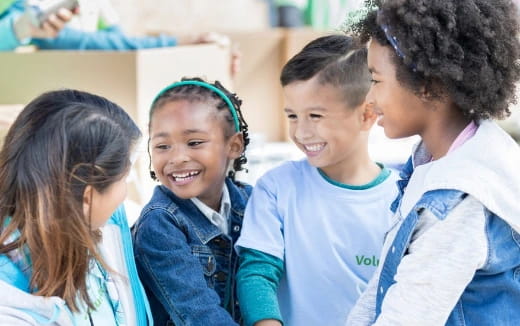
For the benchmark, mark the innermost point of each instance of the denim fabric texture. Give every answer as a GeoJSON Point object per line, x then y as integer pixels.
{"type": "Point", "coordinates": [492, 296]}
{"type": "Point", "coordinates": [186, 263]}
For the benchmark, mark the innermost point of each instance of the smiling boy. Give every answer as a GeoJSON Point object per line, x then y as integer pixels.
{"type": "Point", "coordinates": [313, 229]}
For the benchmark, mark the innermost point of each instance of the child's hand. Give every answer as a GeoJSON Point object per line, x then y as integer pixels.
{"type": "Point", "coordinates": [268, 322]}
{"type": "Point", "coordinates": [50, 28]}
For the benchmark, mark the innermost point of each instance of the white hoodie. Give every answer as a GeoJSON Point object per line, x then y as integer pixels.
{"type": "Point", "coordinates": [20, 308]}
{"type": "Point", "coordinates": [443, 255]}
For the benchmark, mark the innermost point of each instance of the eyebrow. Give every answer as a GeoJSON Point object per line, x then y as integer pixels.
{"type": "Point", "coordinates": [160, 135]}
{"type": "Point", "coordinates": [185, 132]}
{"type": "Point", "coordinates": [312, 108]}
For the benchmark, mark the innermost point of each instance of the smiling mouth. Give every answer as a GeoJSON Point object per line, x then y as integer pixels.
{"type": "Point", "coordinates": [313, 149]}
{"type": "Point", "coordinates": [183, 178]}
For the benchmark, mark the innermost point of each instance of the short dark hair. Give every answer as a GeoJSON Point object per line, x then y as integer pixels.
{"type": "Point", "coordinates": [336, 60]}
{"type": "Point", "coordinates": [467, 50]}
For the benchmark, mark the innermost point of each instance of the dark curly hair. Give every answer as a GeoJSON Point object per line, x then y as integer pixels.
{"type": "Point", "coordinates": [466, 50]}
{"type": "Point", "coordinates": [202, 94]}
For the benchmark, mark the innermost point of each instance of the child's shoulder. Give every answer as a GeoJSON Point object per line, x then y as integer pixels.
{"type": "Point", "coordinates": [241, 188]}
{"type": "Point", "coordinates": [288, 170]}
{"type": "Point", "coordinates": [163, 201]}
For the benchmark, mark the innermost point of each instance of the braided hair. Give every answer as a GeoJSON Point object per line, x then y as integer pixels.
{"type": "Point", "coordinates": [198, 93]}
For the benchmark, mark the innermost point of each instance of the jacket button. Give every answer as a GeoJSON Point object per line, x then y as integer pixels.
{"type": "Point", "coordinates": [393, 249]}
{"type": "Point", "coordinates": [220, 276]}
{"type": "Point", "coordinates": [381, 290]}
{"type": "Point", "coordinates": [236, 228]}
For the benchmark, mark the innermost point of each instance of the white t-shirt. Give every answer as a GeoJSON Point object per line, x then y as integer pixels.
{"type": "Point", "coordinates": [329, 238]}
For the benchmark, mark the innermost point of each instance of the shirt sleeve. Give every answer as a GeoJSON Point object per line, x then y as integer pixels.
{"type": "Point", "coordinates": [169, 270]}
{"type": "Point", "coordinates": [263, 224]}
{"type": "Point", "coordinates": [442, 259]}
{"type": "Point", "coordinates": [257, 283]}
{"type": "Point", "coordinates": [8, 40]}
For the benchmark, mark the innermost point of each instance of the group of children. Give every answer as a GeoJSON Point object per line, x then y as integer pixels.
{"type": "Point", "coordinates": [332, 239]}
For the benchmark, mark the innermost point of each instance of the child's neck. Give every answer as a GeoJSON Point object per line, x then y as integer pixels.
{"type": "Point", "coordinates": [442, 132]}
{"type": "Point", "coordinates": [214, 202]}
{"type": "Point", "coordinates": [357, 171]}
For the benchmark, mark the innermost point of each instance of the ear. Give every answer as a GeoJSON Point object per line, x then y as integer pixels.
{"type": "Point", "coordinates": [87, 200]}
{"type": "Point", "coordinates": [236, 146]}
{"type": "Point", "coordinates": [368, 115]}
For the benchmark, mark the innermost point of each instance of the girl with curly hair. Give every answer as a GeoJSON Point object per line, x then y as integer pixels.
{"type": "Point", "coordinates": [443, 69]}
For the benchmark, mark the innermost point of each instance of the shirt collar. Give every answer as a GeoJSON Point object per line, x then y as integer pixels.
{"type": "Point", "coordinates": [220, 218]}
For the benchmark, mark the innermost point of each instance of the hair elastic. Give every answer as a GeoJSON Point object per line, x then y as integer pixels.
{"type": "Point", "coordinates": [210, 87]}
{"type": "Point", "coordinates": [395, 44]}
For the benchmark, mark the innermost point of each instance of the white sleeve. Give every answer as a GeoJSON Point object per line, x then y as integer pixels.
{"type": "Point", "coordinates": [262, 228]}
{"type": "Point", "coordinates": [364, 311]}
{"type": "Point", "coordinates": [441, 261]}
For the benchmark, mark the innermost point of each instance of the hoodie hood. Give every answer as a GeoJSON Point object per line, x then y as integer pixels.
{"type": "Point", "coordinates": [22, 308]}
{"type": "Point", "coordinates": [486, 166]}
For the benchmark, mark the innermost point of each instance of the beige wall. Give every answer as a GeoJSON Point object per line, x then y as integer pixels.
{"type": "Point", "coordinates": [141, 17]}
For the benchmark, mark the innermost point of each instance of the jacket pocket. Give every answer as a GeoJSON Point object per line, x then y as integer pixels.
{"type": "Point", "coordinates": [207, 261]}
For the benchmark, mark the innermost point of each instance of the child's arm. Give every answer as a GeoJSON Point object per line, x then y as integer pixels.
{"type": "Point", "coordinates": [257, 284]}
{"type": "Point", "coordinates": [173, 274]}
{"type": "Point", "coordinates": [112, 38]}
{"type": "Point", "coordinates": [441, 261]}
{"type": "Point", "coordinates": [261, 247]}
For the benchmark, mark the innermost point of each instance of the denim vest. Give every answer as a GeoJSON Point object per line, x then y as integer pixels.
{"type": "Point", "coordinates": [493, 295]}
{"type": "Point", "coordinates": [212, 249]}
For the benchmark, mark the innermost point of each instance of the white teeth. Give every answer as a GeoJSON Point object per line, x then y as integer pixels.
{"type": "Point", "coordinates": [314, 147]}
{"type": "Point", "coordinates": [186, 175]}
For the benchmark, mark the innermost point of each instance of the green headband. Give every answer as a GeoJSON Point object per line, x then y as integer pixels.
{"type": "Point", "coordinates": [210, 87]}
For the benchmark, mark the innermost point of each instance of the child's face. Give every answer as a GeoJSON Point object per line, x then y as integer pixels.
{"type": "Point", "coordinates": [190, 154]}
{"type": "Point", "coordinates": [323, 126]}
{"type": "Point", "coordinates": [103, 205]}
{"type": "Point", "coordinates": [401, 112]}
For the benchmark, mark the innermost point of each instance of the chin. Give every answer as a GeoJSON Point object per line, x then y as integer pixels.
{"type": "Point", "coordinates": [317, 163]}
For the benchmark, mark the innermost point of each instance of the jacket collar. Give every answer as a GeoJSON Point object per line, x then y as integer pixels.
{"type": "Point", "coordinates": [204, 229]}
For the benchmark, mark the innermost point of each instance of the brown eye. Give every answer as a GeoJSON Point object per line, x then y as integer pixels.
{"type": "Point", "coordinates": [194, 143]}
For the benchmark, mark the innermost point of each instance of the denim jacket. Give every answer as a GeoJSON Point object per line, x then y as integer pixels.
{"type": "Point", "coordinates": [492, 296]}
{"type": "Point", "coordinates": [186, 263]}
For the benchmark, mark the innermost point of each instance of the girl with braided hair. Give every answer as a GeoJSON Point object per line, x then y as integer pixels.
{"type": "Point", "coordinates": [183, 240]}
{"type": "Point", "coordinates": [443, 70]}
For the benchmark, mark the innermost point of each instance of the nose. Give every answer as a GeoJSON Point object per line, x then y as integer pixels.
{"type": "Point", "coordinates": [370, 96]}
{"type": "Point", "coordinates": [178, 155]}
{"type": "Point", "coordinates": [302, 130]}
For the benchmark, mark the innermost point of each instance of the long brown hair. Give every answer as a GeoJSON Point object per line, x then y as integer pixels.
{"type": "Point", "coordinates": [60, 143]}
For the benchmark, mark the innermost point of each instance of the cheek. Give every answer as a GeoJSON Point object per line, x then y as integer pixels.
{"type": "Point", "coordinates": [292, 128]}
{"type": "Point", "coordinates": [122, 192]}
{"type": "Point", "coordinates": [158, 161]}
